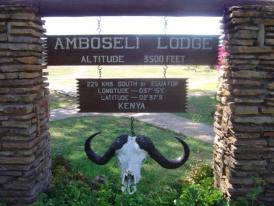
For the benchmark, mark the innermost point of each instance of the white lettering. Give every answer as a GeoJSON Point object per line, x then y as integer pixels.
{"type": "Point", "coordinates": [95, 43]}
{"type": "Point", "coordinates": [196, 43]}
{"type": "Point", "coordinates": [83, 43]}
{"type": "Point", "coordinates": [185, 43]}
{"type": "Point", "coordinates": [59, 44]}
{"type": "Point", "coordinates": [206, 43]}
{"type": "Point", "coordinates": [107, 44]}
{"type": "Point", "coordinates": [159, 46]}
{"type": "Point", "coordinates": [117, 43]}
{"type": "Point", "coordinates": [131, 106]}
{"type": "Point", "coordinates": [71, 43]}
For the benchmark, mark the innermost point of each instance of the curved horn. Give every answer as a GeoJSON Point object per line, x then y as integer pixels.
{"type": "Point", "coordinates": [146, 144]}
{"type": "Point", "coordinates": [101, 160]}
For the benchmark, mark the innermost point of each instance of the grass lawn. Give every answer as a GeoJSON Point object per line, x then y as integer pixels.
{"type": "Point", "coordinates": [58, 100]}
{"type": "Point", "coordinates": [201, 109]}
{"type": "Point", "coordinates": [68, 137]}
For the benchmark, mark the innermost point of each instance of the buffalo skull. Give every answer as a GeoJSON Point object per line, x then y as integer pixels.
{"type": "Point", "coordinates": [131, 152]}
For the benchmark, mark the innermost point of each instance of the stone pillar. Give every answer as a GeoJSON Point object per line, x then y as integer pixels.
{"type": "Point", "coordinates": [24, 136]}
{"type": "Point", "coordinates": [244, 118]}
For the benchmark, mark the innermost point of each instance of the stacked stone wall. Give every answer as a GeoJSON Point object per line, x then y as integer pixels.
{"type": "Point", "coordinates": [24, 137]}
{"type": "Point", "coordinates": [244, 118]}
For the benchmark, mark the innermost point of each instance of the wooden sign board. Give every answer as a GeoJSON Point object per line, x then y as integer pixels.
{"type": "Point", "coordinates": [132, 50]}
{"type": "Point", "coordinates": [132, 95]}
{"type": "Point", "coordinates": [57, 8]}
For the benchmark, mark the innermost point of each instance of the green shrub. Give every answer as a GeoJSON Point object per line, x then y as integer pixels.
{"type": "Point", "coordinates": [72, 188]}
{"type": "Point", "coordinates": [200, 194]}
{"type": "Point", "coordinates": [199, 172]}
{"type": "Point", "coordinates": [198, 189]}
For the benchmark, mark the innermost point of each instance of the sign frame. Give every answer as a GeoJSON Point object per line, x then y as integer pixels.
{"type": "Point", "coordinates": [132, 95]}
{"type": "Point", "coordinates": [87, 50]}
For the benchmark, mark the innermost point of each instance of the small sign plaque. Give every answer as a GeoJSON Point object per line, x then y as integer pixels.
{"type": "Point", "coordinates": [132, 50]}
{"type": "Point", "coordinates": [132, 95]}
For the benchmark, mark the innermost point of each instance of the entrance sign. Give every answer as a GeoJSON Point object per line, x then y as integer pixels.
{"type": "Point", "coordinates": [132, 50]}
{"type": "Point", "coordinates": [132, 95]}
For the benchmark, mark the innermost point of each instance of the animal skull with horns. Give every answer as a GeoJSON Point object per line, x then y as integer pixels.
{"type": "Point", "coordinates": [131, 153]}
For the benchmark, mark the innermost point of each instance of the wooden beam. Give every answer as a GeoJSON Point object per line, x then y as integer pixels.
{"type": "Point", "coordinates": [56, 8]}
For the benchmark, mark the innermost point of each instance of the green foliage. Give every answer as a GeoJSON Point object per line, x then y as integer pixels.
{"type": "Point", "coordinates": [72, 188]}
{"type": "Point", "coordinates": [201, 108]}
{"type": "Point", "coordinates": [200, 194]}
{"type": "Point", "coordinates": [199, 190]}
{"type": "Point", "coordinates": [199, 171]}
{"type": "Point", "coordinates": [69, 187]}
{"type": "Point", "coordinates": [2, 203]}
{"type": "Point", "coordinates": [74, 180]}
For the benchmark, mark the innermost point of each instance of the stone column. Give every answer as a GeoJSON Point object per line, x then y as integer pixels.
{"type": "Point", "coordinates": [244, 118]}
{"type": "Point", "coordinates": [24, 136]}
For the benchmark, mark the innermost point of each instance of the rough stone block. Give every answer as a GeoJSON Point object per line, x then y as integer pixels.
{"type": "Point", "coordinates": [22, 186]}
{"type": "Point", "coordinates": [24, 16]}
{"type": "Point", "coordinates": [248, 142]}
{"type": "Point", "coordinates": [6, 60]}
{"type": "Point", "coordinates": [21, 82]}
{"type": "Point", "coordinates": [269, 42]}
{"type": "Point", "coordinates": [243, 34]}
{"type": "Point", "coordinates": [251, 49]}
{"type": "Point", "coordinates": [268, 134]}
{"type": "Point", "coordinates": [251, 74]}
{"type": "Point", "coordinates": [241, 42]}
{"type": "Point", "coordinates": [254, 120]}
{"type": "Point", "coordinates": [21, 46]}
{"type": "Point", "coordinates": [271, 86]}
{"type": "Point", "coordinates": [25, 32]}
{"type": "Point", "coordinates": [29, 75]}
{"type": "Point", "coordinates": [247, 165]}
{"type": "Point", "coordinates": [20, 68]}
{"type": "Point", "coordinates": [269, 56]}
{"type": "Point", "coordinates": [246, 82]}
{"type": "Point", "coordinates": [244, 110]}
{"type": "Point", "coordinates": [268, 110]}
{"type": "Point", "coordinates": [24, 98]}
{"type": "Point", "coordinates": [3, 38]}
{"type": "Point", "coordinates": [17, 160]}
{"type": "Point", "coordinates": [249, 62]}
{"type": "Point", "coordinates": [249, 92]}
{"type": "Point", "coordinates": [26, 24]}
{"type": "Point", "coordinates": [11, 75]}
{"type": "Point", "coordinates": [271, 142]}
{"type": "Point", "coordinates": [16, 109]}
{"type": "Point", "coordinates": [266, 22]}
{"type": "Point", "coordinates": [16, 124]}
{"type": "Point", "coordinates": [24, 39]}
{"type": "Point", "coordinates": [242, 181]}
